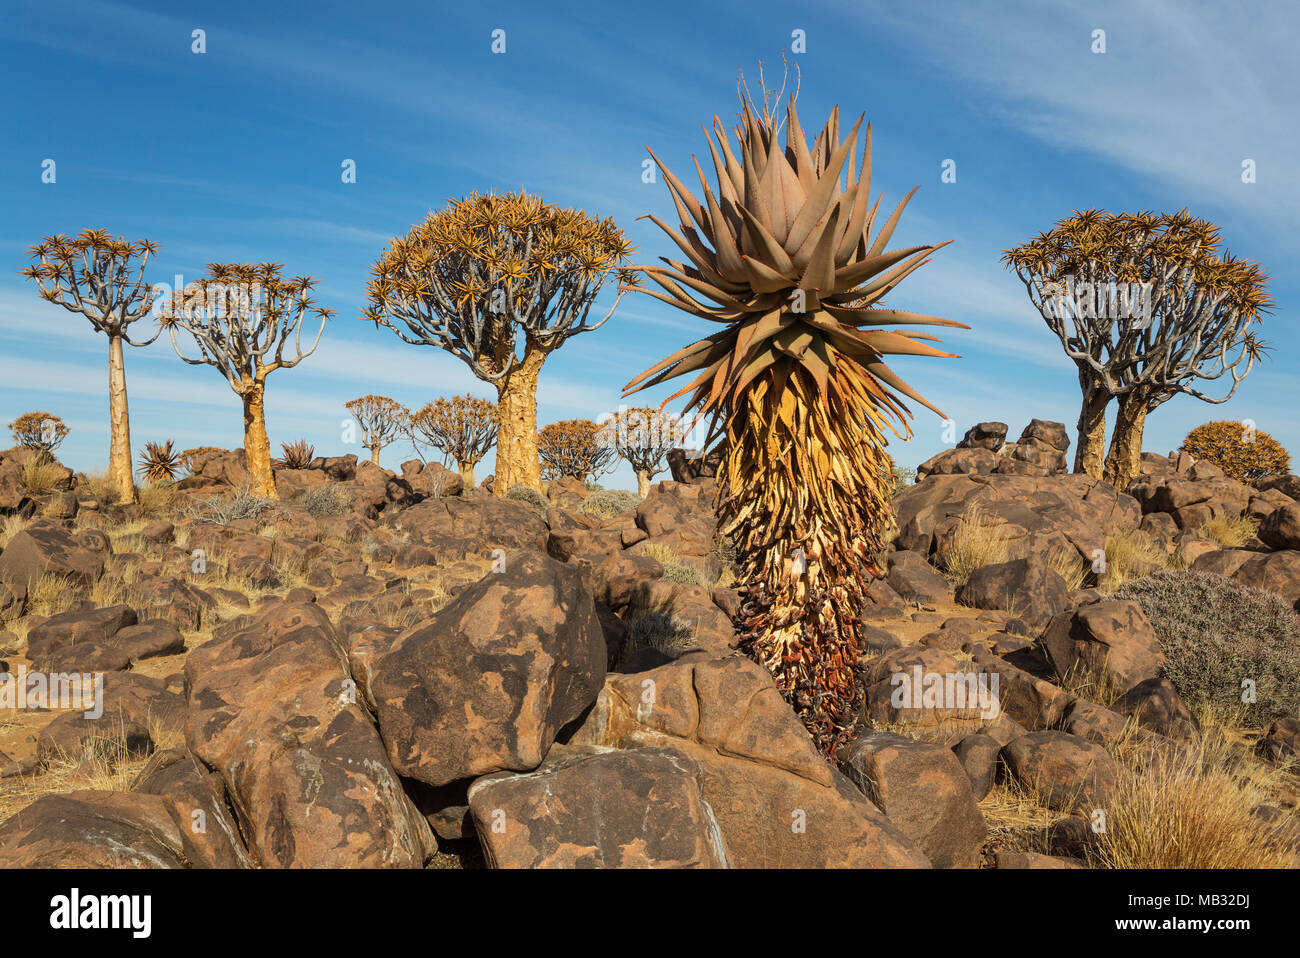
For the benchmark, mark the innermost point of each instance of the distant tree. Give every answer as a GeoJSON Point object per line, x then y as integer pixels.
{"type": "Point", "coordinates": [242, 317]}
{"type": "Point", "coordinates": [643, 437]}
{"type": "Point", "coordinates": [42, 432]}
{"type": "Point", "coordinates": [382, 420]}
{"type": "Point", "coordinates": [1147, 308]}
{"type": "Point", "coordinates": [102, 278]}
{"type": "Point", "coordinates": [1243, 452]}
{"type": "Point", "coordinates": [463, 428]}
{"type": "Point", "coordinates": [573, 448]}
{"type": "Point", "coordinates": [500, 281]}
{"type": "Point", "coordinates": [159, 461]}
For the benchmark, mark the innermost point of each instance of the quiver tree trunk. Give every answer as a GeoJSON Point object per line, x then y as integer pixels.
{"type": "Point", "coordinates": [1124, 460]}
{"type": "Point", "coordinates": [119, 449]}
{"type": "Point", "coordinates": [257, 447]}
{"type": "Point", "coordinates": [466, 470]}
{"type": "Point", "coordinates": [517, 462]}
{"type": "Point", "coordinates": [1091, 449]}
{"type": "Point", "coordinates": [807, 550]}
{"type": "Point", "coordinates": [642, 482]}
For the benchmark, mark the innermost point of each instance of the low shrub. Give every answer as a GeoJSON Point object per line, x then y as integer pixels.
{"type": "Point", "coordinates": [242, 504]}
{"type": "Point", "coordinates": [325, 500]}
{"type": "Point", "coordinates": [529, 495]}
{"type": "Point", "coordinates": [158, 499]}
{"type": "Point", "coordinates": [680, 572]}
{"type": "Point", "coordinates": [1216, 635]}
{"type": "Point", "coordinates": [609, 502]}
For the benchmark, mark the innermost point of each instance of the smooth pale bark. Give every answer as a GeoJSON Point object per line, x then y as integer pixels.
{"type": "Point", "coordinates": [374, 455]}
{"type": "Point", "coordinates": [642, 483]}
{"type": "Point", "coordinates": [119, 446]}
{"type": "Point", "coordinates": [517, 462]}
{"type": "Point", "coordinates": [257, 447]}
{"type": "Point", "coordinates": [1092, 433]}
{"type": "Point", "coordinates": [1124, 460]}
{"type": "Point", "coordinates": [467, 474]}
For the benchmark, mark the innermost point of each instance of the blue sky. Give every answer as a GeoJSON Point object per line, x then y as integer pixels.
{"type": "Point", "coordinates": [235, 154]}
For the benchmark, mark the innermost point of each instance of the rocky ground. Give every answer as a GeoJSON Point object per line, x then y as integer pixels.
{"type": "Point", "coordinates": [390, 670]}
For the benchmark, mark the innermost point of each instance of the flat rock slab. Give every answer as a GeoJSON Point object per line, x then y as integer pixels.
{"type": "Point", "coordinates": [598, 808]}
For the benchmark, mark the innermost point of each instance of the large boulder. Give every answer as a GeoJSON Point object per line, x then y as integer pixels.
{"type": "Point", "coordinates": [777, 802]}
{"type": "Point", "coordinates": [1027, 588]}
{"type": "Point", "coordinates": [1110, 639]}
{"type": "Point", "coordinates": [199, 806]}
{"type": "Point", "coordinates": [44, 547]}
{"type": "Point", "coordinates": [915, 580]}
{"type": "Point", "coordinates": [1281, 530]}
{"type": "Point", "coordinates": [472, 525]}
{"type": "Point", "coordinates": [274, 709]}
{"type": "Point", "coordinates": [487, 683]}
{"type": "Point", "coordinates": [1065, 771]}
{"type": "Point", "coordinates": [94, 829]}
{"type": "Point", "coordinates": [589, 807]}
{"type": "Point", "coordinates": [923, 789]}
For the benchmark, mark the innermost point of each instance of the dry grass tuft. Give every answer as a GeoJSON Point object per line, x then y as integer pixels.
{"type": "Point", "coordinates": [1131, 554]}
{"type": "Point", "coordinates": [976, 542]}
{"type": "Point", "coordinates": [1230, 532]}
{"type": "Point", "coordinates": [1190, 808]}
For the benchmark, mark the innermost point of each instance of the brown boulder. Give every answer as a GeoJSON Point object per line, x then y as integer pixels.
{"type": "Point", "coordinates": [487, 683]}
{"type": "Point", "coordinates": [778, 803]}
{"type": "Point", "coordinates": [588, 807]}
{"type": "Point", "coordinates": [1067, 772]}
{"type": "Point", "coordinates": [923, 789]}
{"type": "Point", "coordinates": [274, 710]}
{"type": "Point", "coordinates": [1110, 638]}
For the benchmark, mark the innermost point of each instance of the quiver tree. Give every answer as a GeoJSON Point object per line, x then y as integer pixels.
{"type": "Point", "coordinates": [500, 281]}
{"type": "Point", "coordinates": [1147, 308]}
{"type": "Point", "coordinates": [791, 263]}
{"type": "Point", "coordinates": [1243, 452]}
{"type": "Point", "coordinates": [159, 462]}
{"type": "Point", "coordinates": [382, 420]}
{"type": "Point", "coordinates": [102, 278]}
{"type": "Point", "coordinates": [643, 437]}
{"type": "Point", "coordinates": [574, 448]}
{"type": "Point", "coordinates": [41, 432]}
{"type": "Point", "coordinates": [242, 318]}
{"type": "Point", "coordinates": [463, 428]}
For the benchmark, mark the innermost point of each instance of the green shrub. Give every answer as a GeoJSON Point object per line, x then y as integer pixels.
{"type": "Point", "coordinates": [609, 502]}
{"type": "Point", "coordinates": [1216, 633]}
{"type": "Point", "coordinates": [1242, 453]}
{"type": "Point", "coordinates": [323, 501]}
{"type": "Point", "coordinates": [529, 495]}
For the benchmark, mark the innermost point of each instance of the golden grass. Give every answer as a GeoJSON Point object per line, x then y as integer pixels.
{"type": "Point", "coordinates": [53, 594]}
{"type": "Point", "coordinates": [1189, 808]}
{"type": "Point", "coordinates": [41, 477]}
{"type": "Point", "coordinates": [98, 486]}
{"type": "Point", "coordinates": [976, 541]}
{"type": "Point", "coordinates": [1131, 554]}
{"type": "Point", "coordinates": [157, 500]}
{"type": "Point", "coordinates": [1230, 532]}
{"type": "Point", "coordinates": [1069, 565]}
{"type": "Point", "coordinates": [10, 526]}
